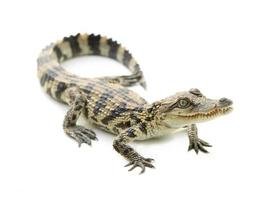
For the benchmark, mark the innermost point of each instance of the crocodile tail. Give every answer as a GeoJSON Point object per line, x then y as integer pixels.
{"type": "Point", "coordinates": [84, 44]}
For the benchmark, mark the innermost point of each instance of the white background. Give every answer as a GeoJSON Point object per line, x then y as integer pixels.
{"type": "Point", "coordinates": [224, 48]}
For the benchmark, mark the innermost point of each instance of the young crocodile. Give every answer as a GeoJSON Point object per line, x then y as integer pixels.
{"type": "Point", "coordinates": [109, 104]}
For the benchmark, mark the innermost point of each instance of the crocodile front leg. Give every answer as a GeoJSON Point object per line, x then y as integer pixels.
{"type": "Point", "coordinates": [134, 158]}
{"type": "Point", "coordinates": [194, 141]}
{"type": "Point", "coordinates": [77, 102]}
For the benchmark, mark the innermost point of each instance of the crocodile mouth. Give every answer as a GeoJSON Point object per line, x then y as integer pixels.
{"type": "Point", "coordinates": [207, 115]}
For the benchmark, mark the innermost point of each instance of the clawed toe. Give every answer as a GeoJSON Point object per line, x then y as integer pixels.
{"type": "Point", "coordinates": [149, 159]}
{"type": "Point", "coordinates": [142, 163]}
{"type": "Point", "coordinates": [206, 144]}
{"type": "Point", "coordinates": [82, 135]}
{"type": "Point", "coordinates": [198, 145]}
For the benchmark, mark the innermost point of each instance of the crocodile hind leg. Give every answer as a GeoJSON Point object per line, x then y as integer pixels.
{"type": "Point", "coordinates": [120, 144]}
{"type": "Point", "coordinates": [77, 102]}
{"type": "Point", "coordinates": [194, 141]}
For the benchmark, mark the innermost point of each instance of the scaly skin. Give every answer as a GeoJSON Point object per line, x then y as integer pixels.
{"type": "Point", "coordinates": [109, 104]}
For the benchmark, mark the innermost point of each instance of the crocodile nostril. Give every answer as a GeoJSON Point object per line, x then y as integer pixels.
{"type": "Point", "coordinates": [225, 101]}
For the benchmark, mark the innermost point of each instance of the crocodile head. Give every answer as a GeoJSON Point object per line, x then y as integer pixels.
{"type": "Point", "coordinates": [191, 107]}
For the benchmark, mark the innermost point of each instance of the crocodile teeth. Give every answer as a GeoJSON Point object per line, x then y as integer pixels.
{"type": "Point", "coordinates": [211, 114]}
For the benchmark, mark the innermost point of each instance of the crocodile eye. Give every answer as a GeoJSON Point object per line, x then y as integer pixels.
{"type": "Point", "coordinates": [184, 103]}
{"type": "Point", "coordinates": [196, 92]}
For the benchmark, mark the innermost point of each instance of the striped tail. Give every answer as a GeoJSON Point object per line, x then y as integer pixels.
{"type": "Point", "coordinates": [84, 44]}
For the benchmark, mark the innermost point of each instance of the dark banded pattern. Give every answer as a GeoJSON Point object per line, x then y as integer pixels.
{"type": "Point", "coordinates": [131, 132]}
{"type": "Point", "coordinates": [93, 41]}
{"type": "Point", "coordinates": [142, 128]}
{"type": "Point", "coordinates": [115, 113]}
{"type": "Point", "coordinates": [49, 76]}
{"type": "Point", "coordinates": [61, 87]}
{"type": "Point", "coordinates": [113, 48]}
{"type": "Point", "coordinates": [72, 40]}
{"type": "Point", "coordinates": [102, 102]}
{"type": "Point", "coordinates": [127, 57]}
{"type": "Point", "coordinates": [58, 52]}
{"type": "Point", "coordinates": [123, 125]}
